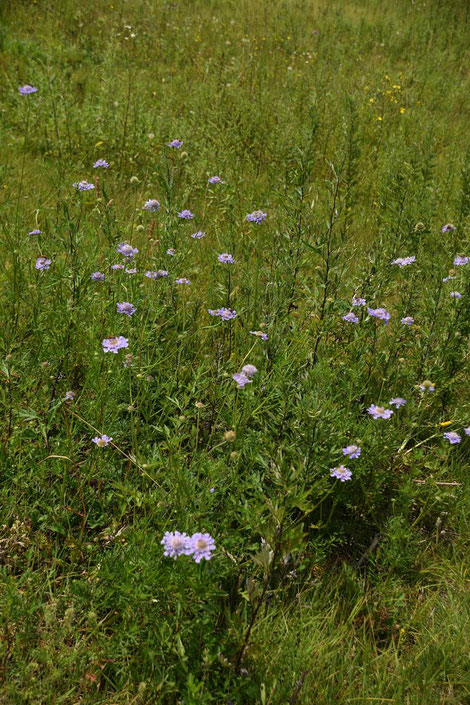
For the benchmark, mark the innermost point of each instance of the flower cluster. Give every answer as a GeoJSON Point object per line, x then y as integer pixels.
{"type": "Point", "coordinates": [226, 314]}
{"type": "Point", "coordinates": [199, 546]}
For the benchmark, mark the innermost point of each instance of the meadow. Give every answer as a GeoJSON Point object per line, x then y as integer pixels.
{"type": "Point", "coordinates": [235, 414]}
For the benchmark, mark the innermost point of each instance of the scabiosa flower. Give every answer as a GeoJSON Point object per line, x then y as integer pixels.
{"type": "Point", "coordinates": [198, 235]}
{"type": "Point", "coordinates": [102, 441]}
{"type": "Point", "coordinates": [43, 263]}
{"type": "Point", "coordinates": [35, 232]}
{"type": "Point", "coordinates": [408, 320]}
{"type": "Point", "coordinates": [226, 258]}
{"type": "Point", "coordinates": [249, 370]}
{"type": "Point", "coordinates": [357, 301]}
{"type": "Point", "coordinates": [201, 546]}
{"type": "Point", "coordinates": [379, 313]}
{"type": "Point", "coordinates": [467, 431]}
{"type": "Point", "coordinates": [69, 396]}
{"type": "Point", "coordinates": [257, 217]}
{"type": "Point", "coordinates": [352, 451]}
{"type": "Point", "coordinates": [127, 250]}
{"type": "Point", "coordinates": [175, 544]}
{"type": "Point", "coordinates": [100, 163]}
{"type": "Point", "coordinates": [427, 386]}
{"type": "Point", "coordinates": [215, 180]}
{"type": "Point", "coordinates": [448, 228]}
{"type": "Point", "coordinates": [186, 214]}
{"type": "Point", "coordinates": [171, 251]}
{"type": "Point", "coordinates": [157, 275]}
{"type": "Point", "coordinates": [341, 473]}
{"type": "Point", "coordinates": [126, 307]}
{"type": "Point", "coordinates": [241, 379]}
{"type": "Point", "coordinates": [115, 343]}
{"type": "Point", "coordinates": [27, 89]}
{"type": "Point", "coordinates": [460, 260]}
{"type": "Point", "coordinates": [84, 186]}
{"type": "Point", "coordinates": [404, 261]}
{"type": "Point", "coordinates": [117, 266]}
{"type": "Point", "coordinates": [175, 143]}
{"type": "Point", "coordinates": [351, 317]}
{"type": "Point", "coordinates": [455, 295]}
{"type": "Point", "coordinates": [152, 205]}
{"type": "Point", "coordinates": [259, 334]}
{"type": "Point", "coordinates": [379, 412]}
{"type": "Point", "coordinates": [131, 271]}
{"type": "Point", "coordinates": [182, 280]}
{"type": "Point", "coordinates": [97, 277]}
{"type": "Point", "coordinates": [397, 402]}
{"type": "Point", "coordinates": [452, 437]}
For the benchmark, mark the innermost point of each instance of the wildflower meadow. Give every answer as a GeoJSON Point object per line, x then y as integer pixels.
{"type": "Point", "coordinates": [235, 317]}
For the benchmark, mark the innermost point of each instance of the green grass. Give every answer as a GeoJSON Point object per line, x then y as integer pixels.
{"type": "Point", "coordinates": [347, 123]}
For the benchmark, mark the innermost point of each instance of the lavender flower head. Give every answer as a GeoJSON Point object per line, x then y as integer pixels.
{"type": "Point", "coordinates": [379, 412]}
{"type": "Point", "coordinates": [152, 205]}
{"type": "Point", "coordinates": [35, 232]}
{"type": "Point", "coordinates": [427, 386]}
{"type": "Point", "coordinates": [397, 402]}
{"type": "Point", "coordinates": [448, 228]}
{"type": "Point", "coordinates": [102, 441]}
{"type": "Point", "coordinates": [341, 473]}
{"type": "Point", "coordinates": [175, 143]}
{"type": "Point", "coordinates": [185, 214]}
{"type": "Point", "coordinates": [100, 163]}
{"type": "Point", "coordinates": [201, 546]}
{"type": "Point", "coordinates": [27, 89]}
{"type": "Point", "coordinates": [175, 544]}
{"type": "Point", "coordinates": [358, 301]}
{"type": "Point", "coordinates": [182, 280]}
{"type": "Point", "coordinates": [408, 320]}
{"type": "Point", "coordinates": [249, 370]}
{"type": "Point", "coordinates": [452, 437]}
{"type": "Point", "coordinates": [215, 180]}
{"type": "Point", "coordinates": [455, 295]}
{"type": "Point", "coordinates": [171, 251]}
{"type": "Point", "coordinates": [241, 379]}
{"type": "Point", "coordinates": [352, 451]}
{"type": "Point", "coordinates": [226, 314]}
{"type": "Point", "coordinates": [226, 258]}
{"type": "Point", "coordinates": [350, 317]}
{"type": "Point", "coordinates": [114, 344]}
{"type": "Point", "coordinates": [379, 313]}
{"type": "Point", "coordinates": [259, 334]}
{"type": "Point", "coordinates": [97, 277]}
{"type": "Point", "coordinates": [404, 261]}
{"type": "Point", "coordinates": [131, 271]}
{"type": "Point", "coordinates": [157, 275]}
{"type": "Point", "coordinates": [126, 307]}
{"type": "Point", "coordinates": [84, 186]}
{"type": "Point", "coordinates": [69, 396]}
{"type": "Point", "coordinates": [127, 250]}
{"type": "Point", "coordinates": [467, 431]}
{"type": "Point", "coordinates": [43, 263]}
{"type": "Point", "coordinates": [460, 260]}
{"type": "Point", "coordinates": [198, 235]}
{"type": "Point", "coordinates": [117, 266]}
{"type": "Point", "coordinates": [257, 217]}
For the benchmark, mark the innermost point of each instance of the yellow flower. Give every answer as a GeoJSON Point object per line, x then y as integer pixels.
{"type": "Point", "coordinates": [371, 100]}
{"type": "Point", "coordinates": [445, 423]}
{"type": "Point", "coordinates": [402, 110]}
{"type": "Point", "coordinates": [379, 118]}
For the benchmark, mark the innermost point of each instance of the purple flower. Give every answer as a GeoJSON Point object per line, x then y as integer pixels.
{"type": "Point", "coordinates": [249, 370]}
{"type": "Point", "coordinates": [69, 396]}
{"type": "Point", "coordinates": [171, 251]}
{"type": "Point", "coordinates": [215, 180]}
{"type": "Point", "coordinates": [341, 473]}
{"type": "Point", "coordinates": [212, 490]}
{"type": "Point", "coordinates": [185, 214]}
{"type": "Point", "coordinates": [455, 295]}
{"type": "Point", "coordinates": [201, 546]}
{"type": "Point", "coordinates": [153, 205]}
{"type": "Point", "coordinates": [379, 412]}
{"type": "Point", "coordinates": [226, 258]}
{"type": "Point", "coordinates": [226, 314]}
{"type": "Point", "coordinates": [404, 261]}
{"type": "Point", "coordinates": [35, 232]}
{"type": "Point", "coordinates": [127, 250]}
{"type": "Point", "coordinates": [84, 186]}
{"type": "Point", "coordinates": [448, 228]}
{"type": "Point", "coordinates": [259, 334]}
{"type": "Point", "coordinates": [157, 275]}
{"type": "Point", "coordinates": [351, 318]}
{"type": "Point", "coordinates": [448, 279]}
{"type": "Point", "coordinates": [100, 162]}
{"type": "Point", "coordinates": [97, 277]}
{"type": "Point", "coordinates": [27, 89]}
{"type": "Point", "coordinates": [102, 441]}
{"type": "Point", "coordinates": [257, 217]}
{"type": "Point", "coordinates": [175, 143]}
{"type": "Point", "coordinates": [408, 320]}
{"type": "Point", "coordinates": [352, 451]}
{"type": "Point", "coordinates": [460, 260]}
{"type": "Point", "coordinates": [397, 402]}
{"type": "Point", "coordinates": [175, 544]}
{"type": "Point", "coordinates": [115, 343]}
{"type": "Point", "coordinates": [357, 301]}
{"type": "Point", "coordinates": [131, 271]}
{"type": "Point", "coordinates": [117, 266]}
{"type": "Point", "coordinates": [43, 263]}
{"type": "Point", "coordinates": [182, 280]}
{"type": "Point", "coordinates": [241, 379]}
{"type": "Point", "coordinates": [452, 437]}
{"type": "Point", "coordinates": [126, 307]}
{"type": "Point", "coordinates": [379, 313]}
{"type": "Point", "coordinates": [427, 386]}
{"type": "Point", "coordinates": [467, 431]}
{"type": "Point", "coordinates": [198, 235]}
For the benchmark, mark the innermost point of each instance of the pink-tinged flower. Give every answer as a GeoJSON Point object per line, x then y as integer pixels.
{"type": "Point", "coordinates": [176, 144]}
{"type": "Point", "coordinates": [100, 163]}
{"type": "Point", "coordinates": [455, 295]}
{"type": "Point", "coordinates": [257, 217]}
{"type": "Point", "coordinates": [226, 258]}
{"type": "Point", "coordinates": [126, 307]}
{"type": "Point", "coordinates": [249, 370]}
{"type": "Point", "coordinates": [117, 266]}
{"type": "Point", "coordinates": [152, 205]}
{"type": "Point", "coordinates": [127, 250]}
{"type": "Point", "coordinates": [380, 313]}
{"type": "Point", "coordinates": [448, 228]}
{"type": "Point", "coordinates": [175, 544]}
{"type": "Point", "coordinates": [397, 402]}
{"type": "Point", "coordinates": [171, 251]}
{"type": "Point", "coordinates": [341, 473]}
{"type": "Point", "coordinates": [259, 334]}
{"type": "Point", "coordinates": [241, 379]}
{"type": "Point", "coordinates": [186, 214]}
{"type": "Point", "coordinates": [350, 318]}
{"type": "Point", "coordinates": [115, 343]}
{"type": "Point", "coordinates": [352, 451]}
{"type": "Point", "coordinates": [182, 280]}
{"type": "Point", "coordinates": [27, 89]}
{"type": "Point", "coordinates": [201, 546]}
{"type": "Point", "coordinates": [408, 320]}
{"type": "Point", "coordinates": [102, 441]}
{"type": "Point", "coordinates": [97, 277]}
{"type": "Point", "coordinates": [131, 271]}
{"type": "Point", "coordinates": [379, 412]}
{"type": "Point", "coordinates": [452, 437]}
{"type": "Point", "coordinates": [357, 301]}
{"type": "Point", "coordinates": [460, 260]}
{"type": "Point", "coordinates": [42, 263]}
{"type": "Point", "coordinates": [198, 235]}
{"type": "Point", "coordinates": [404, 261]}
